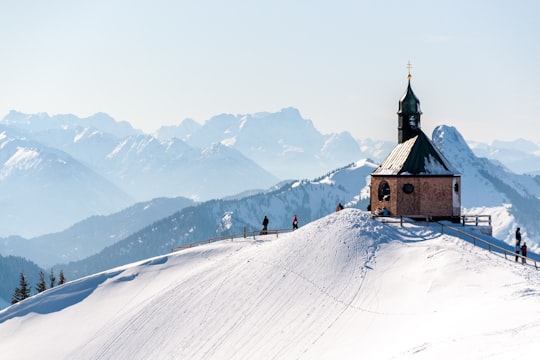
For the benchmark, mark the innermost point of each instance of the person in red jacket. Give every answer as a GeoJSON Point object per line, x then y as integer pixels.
{"type": "Point", "coordinates": [294, 222]}
{"type": "Point", "coordinates": [524, 253]}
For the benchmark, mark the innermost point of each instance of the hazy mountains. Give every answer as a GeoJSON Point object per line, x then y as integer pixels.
{"type": "Point", "coordinates": [43, 189]}
{"type": "Point", "coordinates": [487, 188]}
{"type": "Point", "coordinates": [91, 235]}
{"type": "Point", "coordinates": [283, 143]}
{"type": "Point", "coordinates": [521, 156]}
{"type": "Point", "coordinates": [58, 170]}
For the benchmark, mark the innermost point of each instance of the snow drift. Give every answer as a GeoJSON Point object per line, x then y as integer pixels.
{"type": "Point", "coordinates": [344, 286]}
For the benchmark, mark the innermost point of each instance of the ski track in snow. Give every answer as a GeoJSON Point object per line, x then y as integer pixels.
{"type": "Point", "coordinates": [339, 287]}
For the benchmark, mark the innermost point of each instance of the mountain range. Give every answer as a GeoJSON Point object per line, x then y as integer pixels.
{"type": "Point", "coordinates": [69, 168]}
{"type": "Point", "coordinates": [102, 241]}
{"type": "Point", "coordinates": [487, 189]}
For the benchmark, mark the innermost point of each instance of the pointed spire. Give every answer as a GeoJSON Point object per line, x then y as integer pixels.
{"type": "Point", "coordinates": [408, 112]}
{"type": "Point", "coordinates": [409, 66]}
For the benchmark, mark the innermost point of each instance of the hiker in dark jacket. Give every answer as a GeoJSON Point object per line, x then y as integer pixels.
{"type": "Point", "coordinates": [265, 225]}
{"type": "Point", "coordinates": [518, 242]}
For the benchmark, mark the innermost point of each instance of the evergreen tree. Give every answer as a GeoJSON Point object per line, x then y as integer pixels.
{"type": "Point", "coordinates": [52, 279]}
{"type": "Point", "coordinates": [62, 279]}
{"type": "Point", "coordinates": [42, 285]}
{"type": "Point", "coordinates": [22, 292]}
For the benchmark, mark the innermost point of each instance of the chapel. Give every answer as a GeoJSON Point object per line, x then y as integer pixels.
{"type": "Point", "coordinates": [415, 179]}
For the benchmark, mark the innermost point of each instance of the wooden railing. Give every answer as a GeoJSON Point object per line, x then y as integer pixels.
{"type": "Point", "coordinates": [385, 219]}
{"type": "Point", "coordinates": [491, 247]}
{"type": "Point", "coordinates": [399, 219]}
{"type": "Point", "coordinates": [477, 220]}
{"type": "Point", "coordinates": [243, 235]}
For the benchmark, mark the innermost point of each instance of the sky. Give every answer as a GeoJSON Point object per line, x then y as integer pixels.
{"type": "Point", "coordinates": [341, 63]}
{"type": "Point", "coordinates": [344, 286]}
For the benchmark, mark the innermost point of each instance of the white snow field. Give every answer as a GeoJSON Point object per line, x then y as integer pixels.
{"type": "Point", "coordinates": [342, 287]}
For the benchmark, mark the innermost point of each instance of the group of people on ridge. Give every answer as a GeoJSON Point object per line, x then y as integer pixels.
{"type": "Point", "coordinates": [265, 221]}
{"type": "Point", "coordinates": [520, 248]}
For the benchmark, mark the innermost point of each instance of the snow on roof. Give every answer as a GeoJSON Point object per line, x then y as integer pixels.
{"type": "Point", "coordinates": [416, 156]}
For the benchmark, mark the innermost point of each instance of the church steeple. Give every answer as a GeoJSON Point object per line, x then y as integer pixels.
{"type": "Point", "coordinates": [409, 113]}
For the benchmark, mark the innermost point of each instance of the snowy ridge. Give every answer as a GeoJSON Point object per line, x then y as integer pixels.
{"type": "Point", "coordinates": [344, 286]}
{"type": "Point", "coordinates": [491, 189]}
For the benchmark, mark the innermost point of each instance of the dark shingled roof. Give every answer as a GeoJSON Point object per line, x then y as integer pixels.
{"type": "Point", "coordinates": [416, 156]}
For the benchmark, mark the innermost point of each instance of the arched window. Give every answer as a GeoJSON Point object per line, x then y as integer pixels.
{"type": "Point", "coordinates": [384, 191]}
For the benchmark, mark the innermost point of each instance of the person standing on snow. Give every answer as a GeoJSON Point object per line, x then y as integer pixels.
{"type": "Point", "coordinates": [524, 253]}
{"type": "Point", "coordinates": [265, 225]}
{"type": "Point", "coordinates": [294, 222]}
{"type": "Point", "coordinates": [518, 250]}
{"type": "Point", "coordinates": [518, 242]}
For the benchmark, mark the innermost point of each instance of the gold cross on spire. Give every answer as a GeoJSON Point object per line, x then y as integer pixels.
{"type": "Point", "coordinates": [409, 66]}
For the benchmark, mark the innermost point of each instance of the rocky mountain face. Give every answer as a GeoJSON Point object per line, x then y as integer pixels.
{"type": "Point", "coordinates": [284, 143]}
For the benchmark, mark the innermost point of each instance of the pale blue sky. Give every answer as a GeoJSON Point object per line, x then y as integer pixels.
{"type": "Point", "coordinates": [341, 63]}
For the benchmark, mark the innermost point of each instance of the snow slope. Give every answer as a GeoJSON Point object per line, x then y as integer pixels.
{"type": "Point", "coordinates": [344, 286]}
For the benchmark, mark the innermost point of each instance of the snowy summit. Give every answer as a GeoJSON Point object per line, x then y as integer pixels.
{"type": "Point", "coordinates": [342, 287]}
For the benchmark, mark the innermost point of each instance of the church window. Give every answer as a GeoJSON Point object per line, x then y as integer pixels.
{"type": "Point", "coordinates": [384, 191]}
{"type": "Point", "coordinates": [408, 188]}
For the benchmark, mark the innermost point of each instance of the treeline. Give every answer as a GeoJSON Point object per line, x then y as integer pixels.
{"type": "Point", "coordinates": [24, 290]}
{"type": "Point", "coordinates": [10, 268]}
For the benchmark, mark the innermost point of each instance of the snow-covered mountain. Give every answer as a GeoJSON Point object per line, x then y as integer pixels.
{"type": "Point", "coordinates": [56, 172]}
{"type": "Point", "coordinates": [283, 143]}
{"type": "Point", "coordinates": [487, 189]}
{"type": "Point", "coordinates": [43, 189]}
{"type": "Point", "coordinates": [140, 164]}
{"type": "Point", "coordinates": [45, 126]}
{"type": "Point", "coordinates": [310, 200]}
{"type": "Point", "coordinates": [187, 160]}
{"type": "Point", "coordinates": [150, 168]}
{"type": "Point", "coordinates": [343, 287]}
{"type": "Point", "coordinates": [490, 188]}
{"type": "Point", "coordinates": [520, 156]}
{"type": "Point", "coordinates": [91, 235]}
